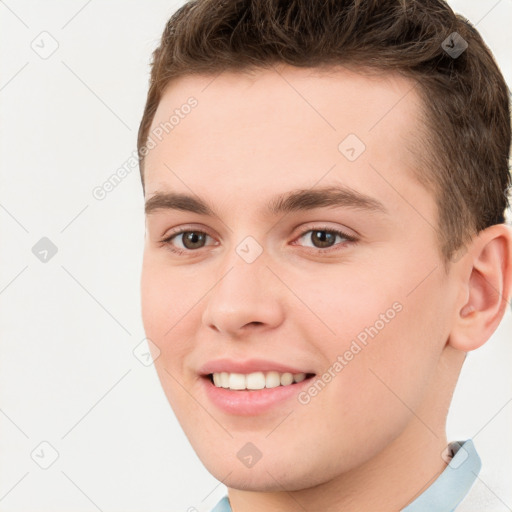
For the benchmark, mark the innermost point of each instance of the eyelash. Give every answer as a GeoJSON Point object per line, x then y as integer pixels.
{"type": "Point", "coordinates": [348, 238]}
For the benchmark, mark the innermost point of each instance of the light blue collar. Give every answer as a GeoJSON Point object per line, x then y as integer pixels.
{"type": "Point", "coordinates": [453, 483]}
{"type": "Point", "coordinates": [445, 493]}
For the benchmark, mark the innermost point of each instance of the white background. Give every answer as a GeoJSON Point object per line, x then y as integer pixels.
{"type": "Point", "coordinates": [68, 375]}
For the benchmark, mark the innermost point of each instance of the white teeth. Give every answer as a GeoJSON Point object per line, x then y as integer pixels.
{"type": "Point", "coordinates": [272, 380]}
{"type": "Point", "coordinates": [224, 380]}
{"type": "Point", "coordinates": [256, 380]}
{"type": "Point", "coordinates": [286, 379]}
{"type": "Point", "coordinates": [236, 381]}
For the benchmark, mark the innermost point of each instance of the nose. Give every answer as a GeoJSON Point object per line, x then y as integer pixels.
{"type": "Point", "coordinates": [246, 297]}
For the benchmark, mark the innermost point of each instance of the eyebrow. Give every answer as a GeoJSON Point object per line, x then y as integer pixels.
{"type": "Point", "coordinates": [293, 201]}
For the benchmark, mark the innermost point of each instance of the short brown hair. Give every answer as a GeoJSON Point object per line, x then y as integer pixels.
{"type": "Point", "coordinates": [466, 109]}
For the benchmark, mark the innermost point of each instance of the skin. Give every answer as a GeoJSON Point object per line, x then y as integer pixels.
{"type": "Point", "coordinates": [373, 437]}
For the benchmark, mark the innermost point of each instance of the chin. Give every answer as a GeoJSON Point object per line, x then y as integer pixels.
{"type": "Point", "coordinates": [261, 481]}
{"type": "Point", "coordinates": [265, 476]}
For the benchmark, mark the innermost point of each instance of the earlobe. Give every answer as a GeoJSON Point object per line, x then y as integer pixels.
{"type": "Point", "coordinates": [487, 270]}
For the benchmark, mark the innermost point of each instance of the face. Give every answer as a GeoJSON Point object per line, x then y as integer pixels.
{"type": "Point", "coordinates": [340, 279]}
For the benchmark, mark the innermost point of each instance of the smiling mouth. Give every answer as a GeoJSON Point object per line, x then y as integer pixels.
{"type": "Point", "coordinates": [256, 381]}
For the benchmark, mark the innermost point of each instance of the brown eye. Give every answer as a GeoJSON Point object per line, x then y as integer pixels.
{"type": "Point", "coordinates": [193, 239]}
{"type": "Point", "coordinates": [190, 241]}
{"type": "Point", "coordinates": [323, 238]}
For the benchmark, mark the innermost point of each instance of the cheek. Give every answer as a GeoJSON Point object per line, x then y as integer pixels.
{"type": "Point", "coordinates": [383, 351]}
{"type": "Point", "coordinates": [167, 301]}
{"type": "Point", "coordinates": [168, 297]}
{"type": "Point", "coordinates": [154, 301]}
{"type": "Point", "coordinates": [374, 388]}
{"type": "Point", "coordinates": [164, 293]}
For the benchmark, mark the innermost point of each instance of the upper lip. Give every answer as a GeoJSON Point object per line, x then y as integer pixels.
{"type": "Point", "coordinates": [247, 366]}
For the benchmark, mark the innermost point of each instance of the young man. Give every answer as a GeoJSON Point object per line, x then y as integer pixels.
{"type": "Point", "coordinates": [325, 188]}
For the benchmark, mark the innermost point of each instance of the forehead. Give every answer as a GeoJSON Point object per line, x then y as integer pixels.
{"type": "Point", "coordinates": [270, 129]}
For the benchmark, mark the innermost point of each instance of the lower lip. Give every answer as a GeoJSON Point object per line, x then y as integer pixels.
{"type": "Point", "coordinates": [251, 403]}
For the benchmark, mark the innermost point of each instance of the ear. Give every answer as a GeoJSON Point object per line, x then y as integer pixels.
{"type": "Point", "coordinates": [486, 280]}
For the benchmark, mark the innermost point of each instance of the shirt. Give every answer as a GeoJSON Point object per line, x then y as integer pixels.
{"type": "Point", "coordinates": [448, 490]}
